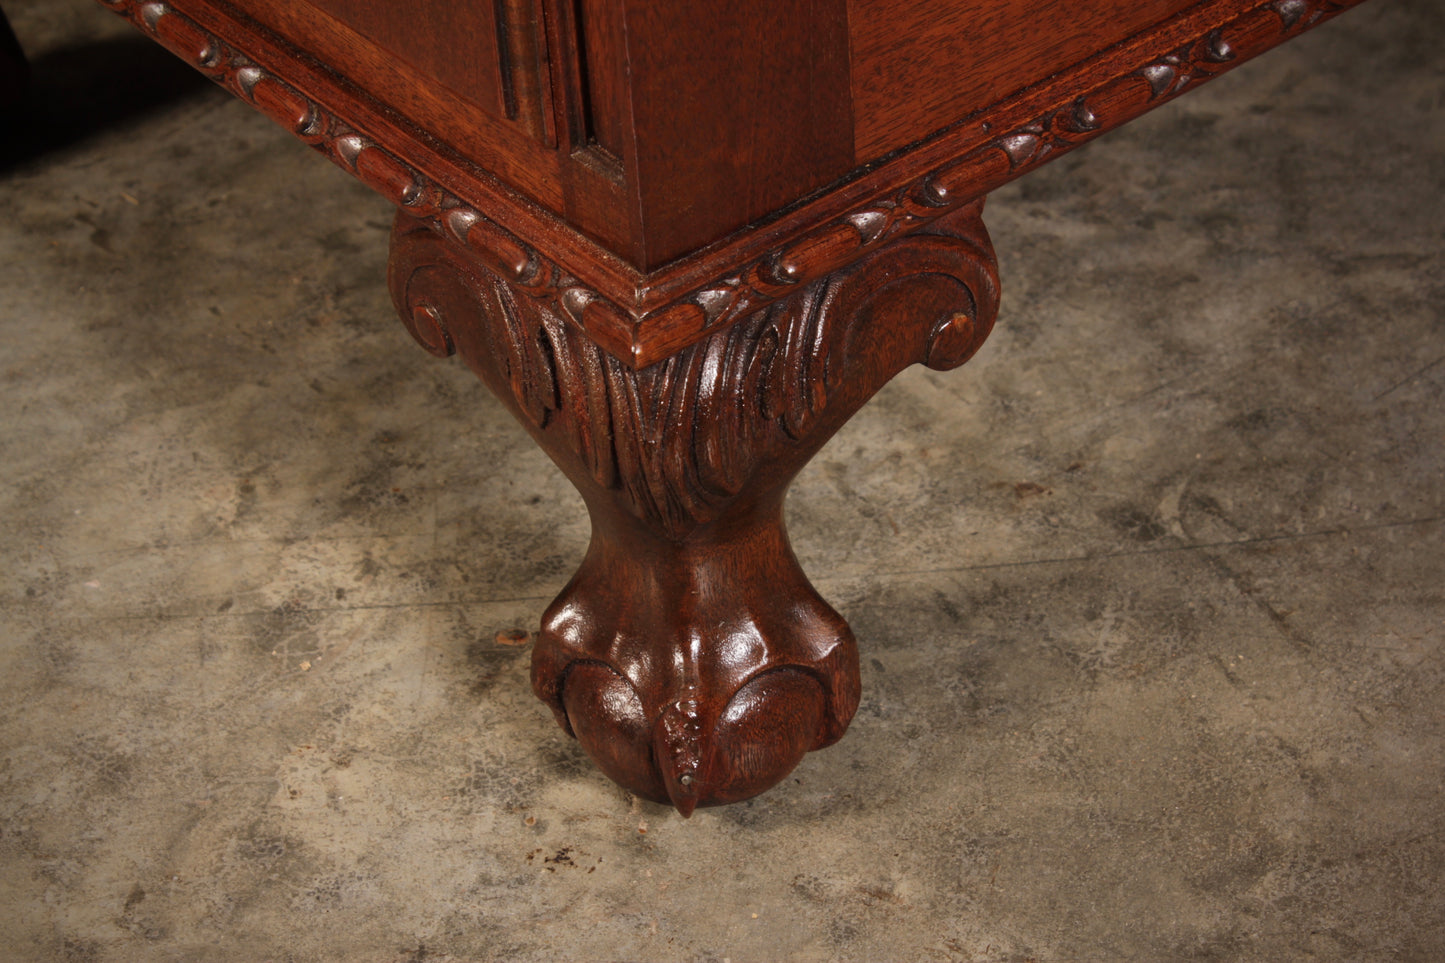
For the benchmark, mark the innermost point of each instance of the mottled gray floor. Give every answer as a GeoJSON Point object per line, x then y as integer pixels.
{"type": "Point", "coordinates": [1151, 595]}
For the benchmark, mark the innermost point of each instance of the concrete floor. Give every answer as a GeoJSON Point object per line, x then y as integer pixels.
{"type": "Point", "coordinates": [1151, 595]}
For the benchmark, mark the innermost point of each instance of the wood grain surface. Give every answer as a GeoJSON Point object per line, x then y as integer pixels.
{"type": "Point", "coordinates": [918, 67]}
{"type": "Point", "coordinates": [583, 225]}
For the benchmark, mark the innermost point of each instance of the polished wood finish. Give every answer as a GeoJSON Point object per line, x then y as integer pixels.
{"type": "Point", "coordinates": [698, 171]}
{"type": "Point", "coordinates": [466, 108]}
{"type": "Point", "coordinates": [459, 45]}
{"type": "Point", "coordinates": [643, 316]}
{"type": "Point", "coordinates": [689, 654]}
{"type": "Point", "coordinates": [684, 243]}
{"type": "Point", "coordinates": [913, 62]}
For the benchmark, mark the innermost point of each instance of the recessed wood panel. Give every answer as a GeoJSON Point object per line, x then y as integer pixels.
{"type": "Point", "coordinates": [393, 68]}
{"type": "Point", "coordinates": [921, 65]}
{"type": "Point", "coordinates": [602, 54]}
{"type": "Point", "coordinates": [453, 41]}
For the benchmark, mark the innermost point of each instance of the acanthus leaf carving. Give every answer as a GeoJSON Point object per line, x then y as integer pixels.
{"type": "Point", "coordinates": [676, 440]}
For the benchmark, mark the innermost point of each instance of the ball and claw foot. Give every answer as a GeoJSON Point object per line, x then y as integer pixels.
{"type": "Point", "coordinates": [714, 690]}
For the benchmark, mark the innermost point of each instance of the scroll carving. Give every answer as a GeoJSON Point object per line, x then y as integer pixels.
{"type": "Point", "coordinates": [678, 439]}
{"type": "Point", "coordinates": [689, 654]}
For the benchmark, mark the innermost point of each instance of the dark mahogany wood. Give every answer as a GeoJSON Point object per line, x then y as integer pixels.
{"type": "Point", "coordinates": [906, 77]}
{"type": "Point", "coordinates": [684, 242]}
{"type": "Point", "coordinates": [780, 73]}
{"type": "Point", "coordinates": [507, 209]}
{"type": "Point", "coordinates": [689, 654]}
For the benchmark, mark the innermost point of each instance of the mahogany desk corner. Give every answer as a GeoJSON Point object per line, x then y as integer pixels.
{"type": "Point", "coordinates": [684, 243]}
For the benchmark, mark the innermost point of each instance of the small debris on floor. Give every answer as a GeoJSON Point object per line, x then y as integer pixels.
{"type": "Point", "coordinates": [513, 637]}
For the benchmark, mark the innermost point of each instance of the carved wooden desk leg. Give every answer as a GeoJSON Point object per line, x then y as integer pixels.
{"type": "Point", "coordinates": [689, 654]}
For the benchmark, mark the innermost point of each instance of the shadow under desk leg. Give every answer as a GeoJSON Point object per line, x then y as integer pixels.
{"type": "Point", "coordinates": [689, 654]}
{"type": "Point", "coordinates": [14, 70]}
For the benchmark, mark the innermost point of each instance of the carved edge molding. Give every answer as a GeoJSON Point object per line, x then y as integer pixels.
{"type": "Point", "coordinates": [641, 336]}
{"type": "Point", "coordinates": [1075, 120]}
{"type": "Point", "coordinates": [358, 155]}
